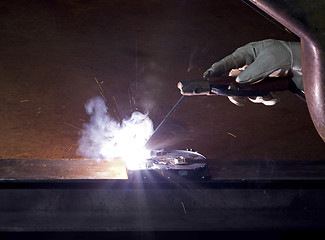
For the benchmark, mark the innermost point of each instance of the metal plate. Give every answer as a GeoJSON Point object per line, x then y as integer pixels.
{"type": "Point", "coordinates": [172, 165]}
{"type": "Point", "coordinates": [175, 159]}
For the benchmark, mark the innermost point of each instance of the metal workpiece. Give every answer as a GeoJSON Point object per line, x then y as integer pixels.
{"type": "Point", "coordinates": [112, 206]}
{"type": "Point", "coordinates": [172, 165]}
{"type": "Point", "coordinates": [282, 200]}
{"type": "Point", "coordinates": [306, 20]}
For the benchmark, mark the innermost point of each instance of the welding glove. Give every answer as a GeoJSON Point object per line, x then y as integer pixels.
{"type": "Point", "coordinates": [267, 58]}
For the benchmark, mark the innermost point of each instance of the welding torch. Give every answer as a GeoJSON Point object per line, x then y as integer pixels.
{"type": "Point", "coordinates": [221, 86]}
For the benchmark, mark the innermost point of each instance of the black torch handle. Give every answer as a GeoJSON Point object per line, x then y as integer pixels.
{"type": "Point", "coordinates": [219, 86]}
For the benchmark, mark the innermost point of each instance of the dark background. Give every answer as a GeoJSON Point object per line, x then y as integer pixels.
{"type": "Point", "coordinates": [52, 51]}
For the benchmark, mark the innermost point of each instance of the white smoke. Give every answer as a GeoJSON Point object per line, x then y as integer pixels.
{"type": "Point", "coordinates": [104, 138]}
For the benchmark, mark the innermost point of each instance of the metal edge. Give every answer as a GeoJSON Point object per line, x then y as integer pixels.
{"type": "Point", "coordinates": [127, 185]}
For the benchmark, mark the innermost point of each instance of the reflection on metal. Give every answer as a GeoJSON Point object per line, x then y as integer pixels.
{"type": "Point", "coordinates": [164, 165]}
{"type": "Point", "coordinates": [176, 159]}
{"type": "Point", "coordinates": [305, 19]}
{"type": "Point", "coordinates": [44, 169]}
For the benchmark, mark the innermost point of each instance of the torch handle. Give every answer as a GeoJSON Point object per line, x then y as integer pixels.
{"type": "Point", "coordinates": [220, 85]}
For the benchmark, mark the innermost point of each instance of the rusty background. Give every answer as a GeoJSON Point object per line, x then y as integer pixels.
{"type": "Point", "coordinates": [52, 51]}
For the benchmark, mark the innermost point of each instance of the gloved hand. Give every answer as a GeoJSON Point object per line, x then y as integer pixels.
{"type": "Point", "coordinates": [267, 58]}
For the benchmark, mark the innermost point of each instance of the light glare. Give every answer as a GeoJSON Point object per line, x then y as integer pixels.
{"type": "Point", "coordinates": [103, 138]}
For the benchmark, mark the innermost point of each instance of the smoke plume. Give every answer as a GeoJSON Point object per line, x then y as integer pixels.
{"type": "Point", "coordinates": [105, 138]}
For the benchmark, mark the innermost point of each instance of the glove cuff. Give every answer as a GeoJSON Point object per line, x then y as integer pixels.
{"type": "Point", "coordinates": [296, 56]}
{"type": "Point", "coordinates": [296, 67]}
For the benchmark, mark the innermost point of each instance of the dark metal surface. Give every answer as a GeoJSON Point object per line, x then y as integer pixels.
{"type": "Point", "coordinates": [306, 19]}
{"type": "Point", "coordinates": [163, 183]}
{"type": "Point", "coordinates": [120, 206]}
{"type": "Point", "coordinates": [220, 169]}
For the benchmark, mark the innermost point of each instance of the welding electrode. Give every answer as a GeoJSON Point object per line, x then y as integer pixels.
{"type": "Point", "coordinates": [167, 116]}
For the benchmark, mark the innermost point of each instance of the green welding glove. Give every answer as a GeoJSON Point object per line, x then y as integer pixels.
{"type": "Point", "coordinates": [267, 58]}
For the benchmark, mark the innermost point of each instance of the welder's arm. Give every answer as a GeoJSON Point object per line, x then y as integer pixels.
{"type": "Point", "coordinates": [267, 58]}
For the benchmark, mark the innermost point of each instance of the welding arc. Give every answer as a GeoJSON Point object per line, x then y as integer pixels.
{"type": "Point", "coordinates": [167, 116]}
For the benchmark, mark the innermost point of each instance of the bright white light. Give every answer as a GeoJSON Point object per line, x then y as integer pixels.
{"type": "Point", "coordinates": [105, 138]}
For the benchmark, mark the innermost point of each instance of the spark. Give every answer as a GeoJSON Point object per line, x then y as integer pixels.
{"type": "Point", "coordinates": [189, 139]}
{"type": "Point", "coordinates": [136, 64]}
{"type": "Point", "coordinates": [22, 154]}
{"type": "Point", "coordinates": [101, 91]}
{"type": "Point", "coordinates": [102, 94]}
{"type": "Point", "coordinates": [183, 207]}
{"type": "Point", "coordinates": [70, 149]}
{"type": "Point", "coordinates": [54, 149]}
{"type": "Point", "coordinates": [233, 135]}
{"type": "Point", "coordinates": [130, 102]}
{"type": "Point", "coordinates": [100, 87]}
{"type": "Point", "coordinates": [72, 126]}
{"type": "Point", "coordinates": [118, 113]}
